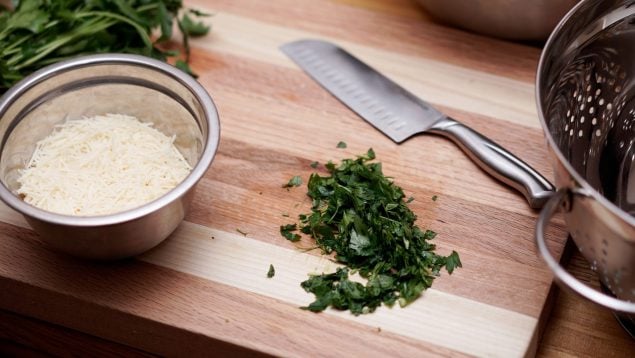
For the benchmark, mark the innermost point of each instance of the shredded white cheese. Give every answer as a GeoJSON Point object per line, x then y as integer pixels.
{"type": "Point", "coordinates": [101, 165]}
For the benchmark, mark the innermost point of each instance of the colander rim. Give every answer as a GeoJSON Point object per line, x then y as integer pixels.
{"type": "Point", "coordinates": [588, 189]}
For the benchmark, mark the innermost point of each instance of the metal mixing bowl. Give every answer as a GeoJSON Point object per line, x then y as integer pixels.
{"type": "Point", "coordinates": [150, 90]}
{"type": "Point", "coordinates": [508, 19]}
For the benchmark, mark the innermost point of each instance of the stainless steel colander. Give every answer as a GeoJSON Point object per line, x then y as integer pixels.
{"type": "Point", "coordinates": [586, 99]}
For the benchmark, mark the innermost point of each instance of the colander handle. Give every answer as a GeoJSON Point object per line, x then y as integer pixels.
{"type": "Point", "coordinates": [563, 278]}
{"type": "Point", "coordinates": [497, 161]}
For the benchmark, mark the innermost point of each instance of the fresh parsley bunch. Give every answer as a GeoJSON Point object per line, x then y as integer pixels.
{"type": "Point", "coordinates": [40, 32]}
{"type": "Point", "coordinates": [361, 215]}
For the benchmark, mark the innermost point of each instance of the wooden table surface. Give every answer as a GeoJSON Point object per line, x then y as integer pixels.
{"type": "Point", "coordinates": [489, 85]}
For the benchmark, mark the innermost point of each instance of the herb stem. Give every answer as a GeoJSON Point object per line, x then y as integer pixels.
{"type": "Point", "coordinates": [144, 8]}
{"type": "Point", "coordinates": [140, 30]}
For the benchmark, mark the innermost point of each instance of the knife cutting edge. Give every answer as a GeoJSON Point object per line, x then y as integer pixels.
{"type": "Point", "coordinates": [399, 114]}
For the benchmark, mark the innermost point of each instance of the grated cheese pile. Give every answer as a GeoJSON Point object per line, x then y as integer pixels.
{"type": "Point", "coordinates": [101, 165]}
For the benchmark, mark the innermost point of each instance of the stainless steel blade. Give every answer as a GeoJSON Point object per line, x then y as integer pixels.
{"type": "Point", "coordinates": [390, 108]}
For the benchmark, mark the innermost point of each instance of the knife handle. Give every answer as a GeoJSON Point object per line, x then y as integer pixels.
{"type": "Point", "coordinates": [497, 161]}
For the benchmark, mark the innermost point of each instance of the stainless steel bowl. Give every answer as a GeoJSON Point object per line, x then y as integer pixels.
{"type": "Point", "coordinates": [150, 90]}
{"type": "Point", "coordinates": [508, 19]}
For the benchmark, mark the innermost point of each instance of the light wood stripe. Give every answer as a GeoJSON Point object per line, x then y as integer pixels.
{"type": "Point", "coordinates": [439, 318]}
{"type": "Point", "coordinates": [436, 82]}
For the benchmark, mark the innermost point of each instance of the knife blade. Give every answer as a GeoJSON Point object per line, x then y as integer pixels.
{"type": "Point", "coordinates": [400, 114]}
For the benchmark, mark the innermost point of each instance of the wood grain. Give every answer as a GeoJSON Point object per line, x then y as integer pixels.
{"type": "Point", "coordinates": [437, 81]}
{"type": "Point", "coordinates": [204, 291]}
{"type": "Point", "coordinates": [579, 328]}
{"type": "Point", "coordinates": [159, 310]}
{"type": "Point", "coordinates": [240, 262]}
{"type": "Point", "coordinates": [26, 337]}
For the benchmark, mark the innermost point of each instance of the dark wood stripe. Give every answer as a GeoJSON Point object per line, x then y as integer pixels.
{"type": "Point", "coordinates": [32, 337]}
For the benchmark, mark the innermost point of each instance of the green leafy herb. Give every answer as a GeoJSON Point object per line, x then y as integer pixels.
{"type": "Point", "coordinates": [341, 144]}
{"type": "Point", "coordinates": [287, 232]}
{"type": "Point", "coordinates": [38, 32]}
{"type": "Point", "coordinates": [198, 13]}
{"type": "Point", "coordinates": [193, 28]}
{"type": "Point", "coordinates": [434, 198]}
{"type": "Point", "coordinates": [183, 66]}
{"type": "Point", "coordinates": [295, 181]}
{"type": "Point", "coordinates": [361, 216]}
{"type": "Point", "coordinates": [241, 232]}
{"type": "Point", "coordinates": [452, 261]}
{"type": "Point", "coordinates": [271, 272]}
{"type": "Point", "coordinates": [314, 165]}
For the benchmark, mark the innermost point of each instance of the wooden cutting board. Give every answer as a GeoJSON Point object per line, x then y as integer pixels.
{"type": "Point", "coordinates": [205, 290]}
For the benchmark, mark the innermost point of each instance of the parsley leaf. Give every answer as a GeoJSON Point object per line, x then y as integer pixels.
{"type": "Point", "coordinates": [193, 28]}
{"type": "Point", "coordinates": [360, 244]}
{"type": "Point", "coordinates": [314, 165]}
{"type": "Point", "coordinates": [341, 144]}
{"type": "Point", "coordinates": [361, 215]}
{"type": "Point", "coordinates": [295, 181]}
{"type": "Point", "coordinates": [271, 272]}
{"type": "Point", "coordinates": [452, 261]}
{"type": "Point", "coordinates": [287, 232]}
{"type": "Point", "coordinates": [183, 66]}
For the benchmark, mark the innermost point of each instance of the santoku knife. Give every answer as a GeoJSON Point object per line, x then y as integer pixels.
{"type": "Point", "coordinates": [399, 114]}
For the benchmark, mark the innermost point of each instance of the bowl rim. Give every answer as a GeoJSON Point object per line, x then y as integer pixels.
{"type": "Point", "coordinates": [210, 113]}
{"type": "Point", "coordinates": [587, 189]}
